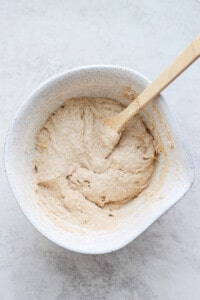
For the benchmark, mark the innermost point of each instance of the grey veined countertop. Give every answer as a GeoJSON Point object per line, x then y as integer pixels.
{"type": "Point", "coordinates": [38, 39]}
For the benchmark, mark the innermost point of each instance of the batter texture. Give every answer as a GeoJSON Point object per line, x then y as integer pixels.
{"type": "Point", "coordinates": [83, 171]}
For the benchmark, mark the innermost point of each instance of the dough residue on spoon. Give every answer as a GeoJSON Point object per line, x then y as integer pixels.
{"type": "Point", "coordinates": [84, 171]}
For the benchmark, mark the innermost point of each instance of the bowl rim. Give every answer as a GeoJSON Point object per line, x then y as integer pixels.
{"type": "Point", "coordinates": [11, 181]}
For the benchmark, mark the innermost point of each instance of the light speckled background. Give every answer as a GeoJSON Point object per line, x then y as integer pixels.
{"type": "Point", "coordinates": [41, 38]}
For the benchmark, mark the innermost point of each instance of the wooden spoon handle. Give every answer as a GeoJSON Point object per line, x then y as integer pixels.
{"type": "Point", "coordinates": [183, 61]}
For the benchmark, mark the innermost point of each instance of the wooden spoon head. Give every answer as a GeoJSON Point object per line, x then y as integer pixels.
{"type": "Point", "coordinates": [114, 123]}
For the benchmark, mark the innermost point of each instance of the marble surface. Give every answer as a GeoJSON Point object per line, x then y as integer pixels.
{"type": "Point", "coordinates": [41, 38]}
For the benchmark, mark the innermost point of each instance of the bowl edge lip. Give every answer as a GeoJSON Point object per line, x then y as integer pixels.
{"type": "Point", "coordinates": [25, 103]}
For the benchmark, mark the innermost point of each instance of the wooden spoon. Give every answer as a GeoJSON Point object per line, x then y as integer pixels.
{"type": "Point", "coordinates": [183, 61]}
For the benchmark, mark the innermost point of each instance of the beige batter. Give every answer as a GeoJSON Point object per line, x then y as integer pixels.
{"type": "Point", "coordinates": [84, 171]}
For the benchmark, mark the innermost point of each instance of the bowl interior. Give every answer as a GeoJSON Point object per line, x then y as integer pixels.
{"type": "Point", "coordinates": [171, 180]}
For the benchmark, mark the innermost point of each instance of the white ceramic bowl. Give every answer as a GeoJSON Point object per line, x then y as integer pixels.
{"type": "Point", "coordinates": [172, 179]}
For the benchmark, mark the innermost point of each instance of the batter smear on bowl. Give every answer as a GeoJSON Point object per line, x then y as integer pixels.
{"type": "Point", "coordinates": [83, 171]}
